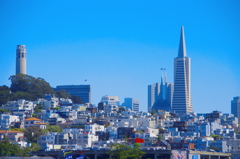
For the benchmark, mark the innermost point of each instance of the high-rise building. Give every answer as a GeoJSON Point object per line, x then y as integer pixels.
{"type": "Point", "coordinates": [235, 107]}
{"type": "Point", "coordinates": [131, 103]}
{"type": "Point", "coordinates": [21, 59]}
{"type": "Point", "coordinates": [160, 95]}
{"type": "Point", "coordinates": [182, 101]}
{"type": "Point", "coordinates": [82, 91]}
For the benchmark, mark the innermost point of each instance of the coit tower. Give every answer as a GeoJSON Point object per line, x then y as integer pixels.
{"type": "Point", "coordinates": [182, 100]}
{"type": "Point", "coordinates": [21, 59]}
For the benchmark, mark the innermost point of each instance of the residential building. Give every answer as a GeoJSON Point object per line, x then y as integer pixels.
{"type": "Point", "coordinates": [15, 137]}
{"type": "Point", "coordinates": [92, 128]}
{"type": "Point", "coordinates": [108, 109]}
{"type": "Point", "coordinates": [182, 100]}
{"type": "Point", "coordinates": [21, 59]}
{"type": "Point", "coordinates": [82, 91]}
{"type": "Point", "coordinates": [34, 122]}
{"type": "Point", "coordinates": [20, 104]}
{"type": "Point", "coordinates": [203, 143]}
{"type": "Point", "coordinates": [234, 144]}
{"type": "Point", "coordinates": [131, 103]}
{"type": "Point", "coordinates": [125, 132]}
{"type": "Point", "coordinates": [7, 119]}
{"type": "Point", "coordinates": [86, 140]}
{"type": "Point", "coordinates": [221, 145]}
{"type": "Point", "coordinates": [235, 107]}
{"type": "Point", "coordinates": [48, 138]}
{"type": "Point", "coordinates": [63, 138]}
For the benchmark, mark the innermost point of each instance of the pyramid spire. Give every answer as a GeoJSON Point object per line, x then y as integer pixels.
{"type": "Point", "coordinates": [182, 52]}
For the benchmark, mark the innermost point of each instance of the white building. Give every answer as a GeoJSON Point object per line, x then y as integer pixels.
{"type": "Point", "coordinates": [7, 119]}
{"type": "Point", "coordinates": [48, 138]}
{"type": "Point", "coordinates": [20, 104]}
{"type": "Point", "coordinates": [85, 140]}
{"type": "Point", "coordinates": [109, 109]}
{"type": "Point", "coordinates": [111, 100]}
{"type": "Point", "coordinates": [92, 128]}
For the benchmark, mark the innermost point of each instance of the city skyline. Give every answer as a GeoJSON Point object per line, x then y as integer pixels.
{"type": "Point", "coordinates": [119, 47]}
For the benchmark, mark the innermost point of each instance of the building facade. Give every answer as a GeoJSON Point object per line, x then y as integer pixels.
{"type": "Point", "coordinates": [131, 103]}
{"type": "Point", "coordinates": [110, 100]}
{"type": "Point", "coordinates": [82, 91]}
{"type": "Point", "coordinates": [21, 66]}
{"type": "Point", "coordinates": [235, 106]}
{"type": "Point", "coordinates": [182, 100]}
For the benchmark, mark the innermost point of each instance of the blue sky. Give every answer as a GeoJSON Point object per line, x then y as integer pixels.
{"type": "Point", "coordinates": [120, 46]}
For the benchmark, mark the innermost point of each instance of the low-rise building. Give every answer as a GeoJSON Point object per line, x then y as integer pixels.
{"type": "Point", "coordinates": [34, 122]}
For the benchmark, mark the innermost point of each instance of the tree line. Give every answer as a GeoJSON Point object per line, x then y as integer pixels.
{"type": "Point", "coordinates": [30, 88]}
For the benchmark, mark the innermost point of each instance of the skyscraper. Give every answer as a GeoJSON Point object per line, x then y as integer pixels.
{"type": "Point", "coordinates": [21, 59]}
{"type": "Point", "coordinates": [182, 101]}
{"type": "Point", "coordinates": [82, 91]}
{"type": "Point", "coordinates": [235, 107]}
{"type": "Point", "coordinates": [160, 95]}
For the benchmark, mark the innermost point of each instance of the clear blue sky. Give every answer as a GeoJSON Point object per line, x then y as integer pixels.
{"type": "Point", "coordinates": [120, 46]}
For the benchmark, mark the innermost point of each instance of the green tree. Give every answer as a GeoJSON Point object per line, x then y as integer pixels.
{"type": "Point", "coordinates": [153, 112]}
{"type": "Point", "coordinates": [161, 130]}
{"type": "Point", "coordinates": [159, 137]}
{"type": "Point", "coordinates": [121, 151]}
{"type": "Point", "coordinates": [5, 93]}
{"type": "Point", "coordinates": [38, 108]}
{"type": "Point", "coordinates": [3, 111]}
{"type": "Point", "coordinates": [28, 84]}
{"type": "Point", "coordinates": [214, 148]}
{"type": "Point", "coordinates": [8, 149]}
{"type": "Point", "coordinates": [121, 109]}
{"type": "Point", "coordinates": [25, 152]}
{"type": "Point", "coordinates": [62, 94]}
{"type": "Point", "coordinates": [76, 99]}
{"type": "Point", "coordinates": [32, 133]}
{"type": "Point", "coordinates": [216, 137]}
{"type": "Point", "coordinates": [53, 128]}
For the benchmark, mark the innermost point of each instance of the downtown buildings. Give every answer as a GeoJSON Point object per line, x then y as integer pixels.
{"type": "Point", "coordinates": [175, 98]}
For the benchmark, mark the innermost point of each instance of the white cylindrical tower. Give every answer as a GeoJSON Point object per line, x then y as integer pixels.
{"type": "Point", "coordinates": [21, 59]}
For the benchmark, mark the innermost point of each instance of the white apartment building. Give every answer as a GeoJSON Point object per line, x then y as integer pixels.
{"type": "Point", "coordinates": [48, 138]}
{"type": "Point", "coordinates": [86, 140]}
{"type": "Point", "coordinates": [7, 119]}
{"type": "Point", "coordinates": [92, 128]}
{"type": "Point", "coordinates": [20, 104]}
{"type": "Point", "coordinates": [131, 122]}
{"type": "Point", "coordinates": [110, 109]}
